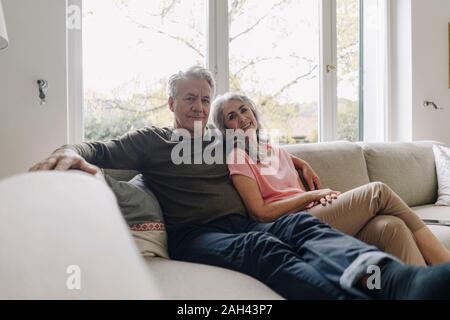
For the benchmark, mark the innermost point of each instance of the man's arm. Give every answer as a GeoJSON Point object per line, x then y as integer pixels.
{"type": "Point", "coordinates": [127, 152]}
{"type": "Point", "coordinates": [310, 176]}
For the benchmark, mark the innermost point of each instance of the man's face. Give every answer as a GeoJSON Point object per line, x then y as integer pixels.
{"type": "Point", "coordinates": [191, 103]}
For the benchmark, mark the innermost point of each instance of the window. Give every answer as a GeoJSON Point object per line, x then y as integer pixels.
{"type": "Point", "coordinates": [299, 60]}
{"type": "Point", "coordinates": [348, 69]}
{"type": "Point", "coordinates": [274, 57]}
{"type": "Point", "coordinates": [130, 47]}
{"type": "Point", "coordinates": [376, 81]}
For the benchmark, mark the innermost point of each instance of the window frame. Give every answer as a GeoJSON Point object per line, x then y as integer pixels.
{"type": "Point", "coordinates": [217, 42]}
{"type": "Point", "coordinates": [217, 60]}
{"type": "Point", "coordinates": [328, 79]}
{"type": "Point", "coordinates": [75, 88]}
{"type": "Point", "coordinates": [361, 73]}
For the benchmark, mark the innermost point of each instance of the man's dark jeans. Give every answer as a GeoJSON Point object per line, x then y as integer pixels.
{"type": "Point", "coordinates": [297, 256]}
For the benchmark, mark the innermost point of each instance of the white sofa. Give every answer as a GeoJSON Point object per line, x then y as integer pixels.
{"type": "Point", "coordinates": [53, 220]}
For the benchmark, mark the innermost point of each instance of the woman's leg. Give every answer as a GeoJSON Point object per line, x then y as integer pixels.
{"type": "Point", "coordinates": [391, 235]}
{"type": "Point", "coordinates": [355, 208]}
{"type": "Point", "coordinates": [345, 260]}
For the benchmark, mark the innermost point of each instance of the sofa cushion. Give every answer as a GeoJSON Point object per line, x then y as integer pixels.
{"type": "Point", "coordinates": [119, 174]}
{"type": "Point", "coordinates": [442, 161]}
{"type": "Point", "coordinates": [205, 282]}
{"type": "Point", "coordinates": [138, 205]}
{"type": "Point", "coordinates": [142, 212]}
{"type": "Point", "coordinates": [436, 213]}
{"type": "Point", "coordinates": [340, 165]}
{"type": "Point", "coordinates": [407, 167]}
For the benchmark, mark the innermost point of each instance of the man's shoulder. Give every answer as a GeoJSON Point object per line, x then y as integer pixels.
{"type": "Point", "coordinates": [162, 132]}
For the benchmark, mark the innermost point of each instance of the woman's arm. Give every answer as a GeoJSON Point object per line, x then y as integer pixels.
{"type": "Point", "coordinates": [250, 194]}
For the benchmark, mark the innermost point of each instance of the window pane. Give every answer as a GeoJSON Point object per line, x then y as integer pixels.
{"type": "Point", "coordinates": [130, 47]}
{"type": "Point", "coordinates": [274, 56]}
{"type": "Point", "coordinates": [347, 28]}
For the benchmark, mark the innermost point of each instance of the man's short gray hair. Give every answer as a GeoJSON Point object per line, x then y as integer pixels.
{"type": "Point", "coordinates": [196, 72]}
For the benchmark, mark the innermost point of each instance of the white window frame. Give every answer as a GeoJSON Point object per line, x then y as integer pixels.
{"type": "Point", "coordinates": [217, 60]}
{"type": "Point", "coordinates": [217, 56]}
{"type": "Point", "coordinates": [75, 80]}
{"type": "Point", "coordinates": [328, 79]}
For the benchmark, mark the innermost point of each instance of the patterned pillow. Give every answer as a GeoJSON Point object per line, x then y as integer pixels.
{"type": "Point", "coordinates": [442, 159]}
{"type": "Point", "coordinates": [142, 212]}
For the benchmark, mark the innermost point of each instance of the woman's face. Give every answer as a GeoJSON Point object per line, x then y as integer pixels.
{"type": "Point", "coordinates": [237, 115]}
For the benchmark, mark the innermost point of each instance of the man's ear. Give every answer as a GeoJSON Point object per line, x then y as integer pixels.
{"type": "Point", "coordinates": [171, 103]}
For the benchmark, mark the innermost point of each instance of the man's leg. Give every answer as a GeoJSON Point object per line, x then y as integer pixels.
{"type": "Point", "coordinates": [339, 257]}
{"type": "Point", "coordinates": [257, 254]}
{"type": "Point", "coordinates": [344, 260]}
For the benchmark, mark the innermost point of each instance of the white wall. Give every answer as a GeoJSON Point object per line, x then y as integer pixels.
{"type": "Point", "coordinates": [28, 131]}
{"type": "Point", "coordinates": [419, 65]}
{"type": "Point", "coordinates": [430, 69]}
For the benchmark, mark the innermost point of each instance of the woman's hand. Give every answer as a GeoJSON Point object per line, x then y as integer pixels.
{"type": "Point", "coordinates": [323, 196]}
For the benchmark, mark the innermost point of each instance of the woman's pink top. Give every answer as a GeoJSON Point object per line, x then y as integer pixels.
{"type": "Point", "coordinates": [277, 178]}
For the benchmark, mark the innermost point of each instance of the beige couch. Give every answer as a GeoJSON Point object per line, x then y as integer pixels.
{"type": "Point", "coordinates": [408, 168]}
{"type": "Point", "coordinates": [53, 220]}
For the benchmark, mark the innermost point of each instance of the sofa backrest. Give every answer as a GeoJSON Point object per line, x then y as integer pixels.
{"type": "Point", "coordinates": [407, 167]}
{"type": "Point", "coordinates": [340, 165]}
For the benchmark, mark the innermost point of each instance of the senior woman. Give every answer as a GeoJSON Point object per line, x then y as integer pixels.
{"type": "Point", "coordinates": [270, 196]}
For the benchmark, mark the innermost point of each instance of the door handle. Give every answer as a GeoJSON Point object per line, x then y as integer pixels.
{"type": "Point", "coordinates": [330, 68]}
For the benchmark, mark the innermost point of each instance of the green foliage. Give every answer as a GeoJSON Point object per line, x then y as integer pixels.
{"type": "Point", "coordinates": [348, 114]}
{"type": "Point", "coordinates": [107, 118]}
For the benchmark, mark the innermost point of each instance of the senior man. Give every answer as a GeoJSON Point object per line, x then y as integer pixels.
{"type": "Point", "coordinates": [296, 255]}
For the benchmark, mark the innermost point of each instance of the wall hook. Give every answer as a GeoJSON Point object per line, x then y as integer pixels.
{"type": "Point", "coordinates": [428, 103]}
{"type": "Point", "coordinates": [42, 85]}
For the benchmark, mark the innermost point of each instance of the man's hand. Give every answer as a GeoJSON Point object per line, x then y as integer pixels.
{"type": "Point", "coordinates": [310, 176]}
{"type": "Point", "coordinates": [62, 160]}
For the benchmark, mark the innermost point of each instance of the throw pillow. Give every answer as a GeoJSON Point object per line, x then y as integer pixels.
{"type": "Point", "coordinates": [142, 212]}
{"type": "Point", "coordinates": [442, 159]}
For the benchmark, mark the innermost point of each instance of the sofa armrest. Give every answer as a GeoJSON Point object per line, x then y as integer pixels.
{"type": "Point", "coordinates": [62, 237]}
